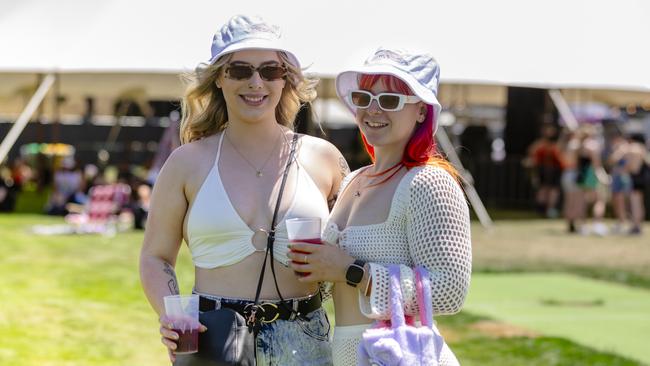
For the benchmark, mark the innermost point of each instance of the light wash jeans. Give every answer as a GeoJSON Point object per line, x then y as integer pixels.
{"type": "Point", "coordinates": [287, 342]}
{"type": "Point", "coordinates": [296, 342]}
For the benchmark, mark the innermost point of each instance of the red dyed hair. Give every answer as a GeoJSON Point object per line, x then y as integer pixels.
{"type": "Point", "coordinates": [421, 148]}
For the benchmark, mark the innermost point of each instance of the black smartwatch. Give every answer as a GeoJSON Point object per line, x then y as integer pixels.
{"type": "Point", "coordinates": [355, 272]}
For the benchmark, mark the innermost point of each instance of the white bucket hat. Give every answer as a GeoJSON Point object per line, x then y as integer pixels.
{"type": "Point", "coordinates": [243, 32]}
{"type": "Point", "coordinates": [420, 72]}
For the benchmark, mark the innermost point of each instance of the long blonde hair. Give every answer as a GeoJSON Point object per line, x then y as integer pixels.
{"type": "Point", "coordinates": [204, 107]}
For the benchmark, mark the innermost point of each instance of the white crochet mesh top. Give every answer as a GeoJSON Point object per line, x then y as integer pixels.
{"type": "Point", "coordinates": [428, 225]}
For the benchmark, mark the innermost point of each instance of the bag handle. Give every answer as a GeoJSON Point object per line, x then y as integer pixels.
{"type": "Point", "coordinates": [423, 293]}
{"type": "Point", "coordinates": [396, 301]}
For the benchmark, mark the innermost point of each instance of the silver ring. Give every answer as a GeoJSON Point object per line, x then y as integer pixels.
{"type": "Point", "coordinates": [305, 261]}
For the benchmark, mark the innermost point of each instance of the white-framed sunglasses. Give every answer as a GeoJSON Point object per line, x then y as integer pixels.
{"type": "Point", "coordinates": [389, 102]}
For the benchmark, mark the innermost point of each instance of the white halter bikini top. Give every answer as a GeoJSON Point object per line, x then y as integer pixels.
{"type": "Point", "coordinates": [217, 235]}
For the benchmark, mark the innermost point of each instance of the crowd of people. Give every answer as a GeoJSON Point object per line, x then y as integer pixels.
{"type": "Point", "coordinates": [68, 186]}
{"type": "Point", "coordinates": [588, 171]}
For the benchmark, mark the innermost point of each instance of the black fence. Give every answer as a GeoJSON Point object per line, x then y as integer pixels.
{"type": "Point", "coordinates": [500, 184]}
{"type": "Point", "coordinates": [133, 145]}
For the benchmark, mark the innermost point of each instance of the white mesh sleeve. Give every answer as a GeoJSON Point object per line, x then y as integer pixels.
{"type": "Point", "coordinates": [377, 306]}
{"type": "Point", "coordinates": [438, 232]}
{"type": "Point", "coordinates": [327, 287]}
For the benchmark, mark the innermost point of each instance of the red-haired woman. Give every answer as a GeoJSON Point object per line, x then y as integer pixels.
{"type": "Point", "coordinates": [406, 208]}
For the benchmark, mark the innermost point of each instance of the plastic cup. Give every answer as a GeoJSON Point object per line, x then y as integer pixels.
{"type": "Point", "coordinates": [306, 230]}
{"type": "Point", "coordinates": [183, 313]}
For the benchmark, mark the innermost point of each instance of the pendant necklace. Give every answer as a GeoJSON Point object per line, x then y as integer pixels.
{"type": "Point", "coordinates": [259, 172]}
{"type": "Point", "coordinates": [395, 168]}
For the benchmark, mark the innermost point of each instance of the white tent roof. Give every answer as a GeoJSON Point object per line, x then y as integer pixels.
{"type": "Point", "coordinates": [553, 43]}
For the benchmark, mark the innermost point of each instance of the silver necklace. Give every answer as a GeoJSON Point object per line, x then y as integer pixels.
{"type": "Point", "coordinates": [259, 172]}
{"type": "Point", "coordinates": [395, 168]}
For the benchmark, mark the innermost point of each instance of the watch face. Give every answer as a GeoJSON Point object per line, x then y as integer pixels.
{"type": "Point", "coordinates": [354, 274]}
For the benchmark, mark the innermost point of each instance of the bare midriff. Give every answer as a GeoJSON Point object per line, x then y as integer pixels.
{"type": "Point", "coordinates": [239, 280]}
{"type": "Point", "coordinates": [347, 306]}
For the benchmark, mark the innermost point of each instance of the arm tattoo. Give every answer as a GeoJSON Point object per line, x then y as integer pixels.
{"type": "Point", "coordinates": [172, 283]}
{"type": "Point", "coordinates": [343, 165]}
{"type": "Point", "coordinates": [344, 169]}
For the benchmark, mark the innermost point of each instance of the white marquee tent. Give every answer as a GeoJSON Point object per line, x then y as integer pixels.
{"type": "Point", "coordinates": [553, 43]}
{"type": "Point", "coordinates": [138, 46]}
{"type": "Point", "coordinates": [115, 47]}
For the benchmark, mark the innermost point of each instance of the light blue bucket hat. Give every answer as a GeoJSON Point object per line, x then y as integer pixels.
{"type": "Point", "coordinates": [420, 72]}
{"type": "Point", "coordinates": [242, 32]}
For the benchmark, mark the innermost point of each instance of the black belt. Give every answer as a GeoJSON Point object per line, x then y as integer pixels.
{"type": "Point", "coordinates": [270, 311]}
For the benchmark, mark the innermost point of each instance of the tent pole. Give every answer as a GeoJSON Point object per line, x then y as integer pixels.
{"type": "Point", "coordinates": [56, 110]}
{"type": "Point", "coordinates": [468, 181]}
{"type": "Point", "coordinates": [26, 114]}
{"type": "Point", "coordinates": [563, 108]}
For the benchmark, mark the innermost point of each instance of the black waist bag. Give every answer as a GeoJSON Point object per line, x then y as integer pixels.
{"type": "Point", "coordinates": [226, 342]}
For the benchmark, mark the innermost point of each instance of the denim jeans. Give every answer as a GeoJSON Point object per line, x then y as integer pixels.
{"type": "Point", "coordinates": [296, 342]}
{"type": "Point", "coordinates": [288, 342]}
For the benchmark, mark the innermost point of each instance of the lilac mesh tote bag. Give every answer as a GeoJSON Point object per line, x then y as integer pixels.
{"type": "Point", "coordinates": [400, 341]}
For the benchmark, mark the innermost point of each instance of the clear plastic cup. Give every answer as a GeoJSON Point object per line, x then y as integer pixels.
{"type": "Point", "coordinates": [307, 230]}
{"type": "Point", "coordinates": [183, 313]}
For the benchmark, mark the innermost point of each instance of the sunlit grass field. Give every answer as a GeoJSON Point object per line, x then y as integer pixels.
{"type": "Point", "coordinates": [603, 315]}
{"type": "Point", "coordinates": [76, 300]}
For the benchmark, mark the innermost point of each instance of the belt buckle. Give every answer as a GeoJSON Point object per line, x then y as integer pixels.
{"type": "Point", "coordinates": [251, 315]}
{"type": "Point", "coordinates": [272, 308]}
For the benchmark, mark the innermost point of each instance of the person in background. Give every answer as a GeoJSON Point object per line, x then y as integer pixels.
{"type": "Point", "coordinates": [21, 173]}
{"type": "Point", "coordinates": [169, 141]}
{"type": "Point", "coordinates": [140, 203]}
{"type": "Point", "coordinates": [546, 160]}
{"type": "Point", "coordinates": [621, 181]}
{"type": "Point", "coordinates": [68, 188]}
{"type": "Point", "coordinates": [44, 175]}
{"type": "Point", "coordinates": [591, 174]}
{"type": "Point", "coordinates": [406, 208]}
{"type": "Point", "coordinates": [638, 166]}
{"type": "Point", "coordinates": [569, 144]}
{"type": "Point", "coordinates": [8, 189]}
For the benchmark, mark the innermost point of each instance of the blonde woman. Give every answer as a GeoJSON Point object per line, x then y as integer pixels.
{"type": "Point", "coordinates": [218, 191]}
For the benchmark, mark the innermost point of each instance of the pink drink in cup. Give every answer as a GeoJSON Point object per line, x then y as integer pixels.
{"type": "Point", "coordinates": [183, 313]}
{"type": "Point", "coordinates": [305, 230]}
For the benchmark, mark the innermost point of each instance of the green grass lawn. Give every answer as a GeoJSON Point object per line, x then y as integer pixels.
{"type": "Point", "coordinates": [479, 340]}
{"type": "Point", "coordinates": [76, 300]}
{"type": "Point", "coordinates": [605, 316]}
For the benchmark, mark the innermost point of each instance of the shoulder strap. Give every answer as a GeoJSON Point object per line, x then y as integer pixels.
{"type": "Point", "coordinates": [219, 145]}
{"type": "Point", "coordinates": [271, 237]}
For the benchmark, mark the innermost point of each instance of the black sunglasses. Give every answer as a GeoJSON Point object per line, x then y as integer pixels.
{"type": "Point", "coordinates": [244, 71]}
